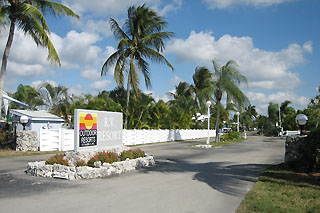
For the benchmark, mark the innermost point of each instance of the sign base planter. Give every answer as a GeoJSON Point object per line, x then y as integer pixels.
{"type": "Point", "coordinates": [40, 169]}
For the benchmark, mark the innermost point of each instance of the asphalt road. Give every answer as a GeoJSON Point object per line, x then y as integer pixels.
{"type": "Point", "coordinates": [184, 179]}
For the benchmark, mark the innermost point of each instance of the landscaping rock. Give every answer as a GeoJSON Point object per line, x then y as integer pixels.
{"type": "Point", "coordinates": [84, 172]}
{"type": "Point", "coordinates": [27, 140]}
{"type": "Point", "coordinates": [291, 148]}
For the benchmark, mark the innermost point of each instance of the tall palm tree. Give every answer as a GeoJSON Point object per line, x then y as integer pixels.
{"type": "Point", "coordinates": [27, 15]}
{"type": "Point", "coordinates": [203, 87]}
{"type": "Point", "coordinates": [226, 80]}
{"type": "Point", "coordinates": [140, 38]}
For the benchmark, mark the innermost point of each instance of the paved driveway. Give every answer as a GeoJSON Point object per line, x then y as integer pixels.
{"type": "Point", "coordinates": [185, 179]}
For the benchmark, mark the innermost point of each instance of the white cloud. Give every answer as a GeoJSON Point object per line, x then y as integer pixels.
{"type": "Point", "coordinates": [103, 8]}
{"type": "Point", "coordinates": [165, 97]}
{"type": "Point", "coordinates": [100, 84]}
{"type": "Point", "coordinates": [261, 100]}
{"type": "Point", "coordinates": [107, 8]}
{"type": "Point", "coordinates": [76, 90]}
{"type": "Point", "coordinates": [222, 4]}
{"type": "Point", "coordinates": [176, 80]}
{"type": "Point", "coordinates": [264, 69]}
{"type": "Point", "coordinates": [93, 26]}
{"type": "Point", "coordinates": [90, 74]}
{"type": "Point", "coordinates": [37, 84]}
{"type": "Point", "coordinates": [75, 50]}
{"type": "Point", "coordinates": [173, 6]}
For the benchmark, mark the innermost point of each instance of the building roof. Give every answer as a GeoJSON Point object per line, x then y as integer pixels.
{"type": "Point", "coordinates": [36, 115]}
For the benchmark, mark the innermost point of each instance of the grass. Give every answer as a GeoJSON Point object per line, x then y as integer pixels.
{"type": "Point", "coordinates": [279, 189]}
{"type": "Point", "coordinates": [223, 143]}
{"type": "Point", "coordinates": [12, 153]}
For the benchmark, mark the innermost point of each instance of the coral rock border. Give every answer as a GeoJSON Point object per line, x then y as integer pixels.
{"type": "Point", "coordinates": [40, 169]}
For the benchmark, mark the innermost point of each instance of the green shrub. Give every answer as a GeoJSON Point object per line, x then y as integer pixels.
{"type": "Point", "coordinates": [132, 154]}
{"type": "Point", "coordinates": [310, 152]}
{"type": "Point", "coordinates": [138, 153]}
{"type": "Point", "coordinates": [81, 163]}
{"type": "Point", "coordinates": [104, 157]}
{"type": "Point", "coordinates": [126, 154]}
{"type": "Point", "coordinates": [57, 159]}
{"type": "Point", "coordinates": [230, 136]}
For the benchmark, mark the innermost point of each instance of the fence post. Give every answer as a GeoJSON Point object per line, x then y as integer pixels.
{"type": "Point", "coordinates": [61, 139]}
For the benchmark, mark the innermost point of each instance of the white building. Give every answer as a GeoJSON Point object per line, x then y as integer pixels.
{"type": "Point", "coordinates": [36, 120]}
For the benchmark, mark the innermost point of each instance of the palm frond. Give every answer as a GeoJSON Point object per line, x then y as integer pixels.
{"type": "Point", "coordinates": [156, 57]}
{"type": "Point", "coordinates": [53, 8]}
{"type": "Point", "coordinates": [144, 67]}
{"type": "Point", "coordinates": [110, 61]}
{"type": "Point", "coordinates": [155, 40]}
{"type": "Point", "coordinates": [117, 31]}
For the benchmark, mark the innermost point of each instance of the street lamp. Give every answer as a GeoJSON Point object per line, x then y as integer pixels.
{"type": "Point", "coordinates": [24, 120]}
{"type": "Point", "coordinates": [238, 118]}
{"type": "Point", "coordinates": [301, 120]}
{"type": "Point", "coordinates": [208, 105]}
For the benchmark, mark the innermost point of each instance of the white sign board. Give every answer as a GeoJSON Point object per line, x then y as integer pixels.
{"type": "Point", "coordinates": [97, 129]}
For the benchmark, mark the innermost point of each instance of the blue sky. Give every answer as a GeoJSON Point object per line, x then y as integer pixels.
{"type": "Point", "coordinates": [275, 42]}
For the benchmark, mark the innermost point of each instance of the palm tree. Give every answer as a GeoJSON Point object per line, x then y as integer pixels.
{"type": "Point", "coordinates": [226, 80]}
{"type": "Point", "coordinates": [28, 95]}
{"type": "Point", "coordinates": [56, 99]}
{"type": "Point", "coordinates": [203, 87]}
{"type": "Point", "coordinates": [140, 38]}
{"type": "Point", "coordinates": [27, 15]}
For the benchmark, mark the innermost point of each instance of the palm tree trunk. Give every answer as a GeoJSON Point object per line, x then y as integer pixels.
{"type": "Point", "coordinates": [128, 98]}
{"type": "Point", "coordinates": [217, 139]}
{"type": "Point", "coordinates": [5, 59]}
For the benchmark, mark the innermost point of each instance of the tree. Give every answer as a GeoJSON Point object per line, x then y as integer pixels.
{"type": "Point", "coordinates": [28, 95]}
{"type": "Point", "coordinates": [140, 39]}
{"type": "Point", "coordinates": [226, 80]}
{"type": "Point", "coordinates": [248, 117]}
{"type": "Point", "coordinates": [313, 113]}
{"type": "Point", "coordinates": [56, 99]}
{"type": "Point", "coordinates": [182, 107]}
{"type": "Point", "coordinates": [288, 116]}
{"type": "Point", "coordinates": [27, 15]}
{"type": "Point", "coordinates": [203, 87]}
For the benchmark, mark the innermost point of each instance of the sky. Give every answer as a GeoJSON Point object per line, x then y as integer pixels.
{"type": "Point", "coordinates": [276, 44]}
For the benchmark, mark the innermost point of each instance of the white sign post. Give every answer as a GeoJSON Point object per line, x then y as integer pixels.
{"type": "Point", "coordinates": [97, 129]}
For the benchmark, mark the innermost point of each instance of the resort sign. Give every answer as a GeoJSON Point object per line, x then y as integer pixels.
{"type": "Point", "coordinates": [97, 129]}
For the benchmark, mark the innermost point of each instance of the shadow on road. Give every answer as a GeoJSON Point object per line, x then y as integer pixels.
{"type": "Point", "coordinates": [219, 176]}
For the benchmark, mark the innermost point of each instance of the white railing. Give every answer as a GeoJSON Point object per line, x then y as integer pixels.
{"type": "Point", "coordinates": [63, 139]}
{"type": "Point", "coordinates": [56, 139]}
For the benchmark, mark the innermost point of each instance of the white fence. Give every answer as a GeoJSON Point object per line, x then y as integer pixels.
{"type": "Point", "coordinates": [135, 137]}
{"type": "Point", "coordinates": [63, 139]}
{"type": "Point", "coordinates": [56, 139]}
{"type": "Point", "coordinates": [290, 133]}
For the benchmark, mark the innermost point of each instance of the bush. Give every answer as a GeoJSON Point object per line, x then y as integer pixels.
{"type": "Point", "coordinates": [138, 153]}
{"type": "Point", "coordinates": [57, 159]}
{"type": "Point", "coordinates": [80, 163]}
{"type": "Point", "coordinates": [310, 152]}
{"type": "Point", "coordinates": [230, 136]}
{"type": "Point", "coordinates": [104, 157]}
{"type": "Point", "coordinates": [132, 154]}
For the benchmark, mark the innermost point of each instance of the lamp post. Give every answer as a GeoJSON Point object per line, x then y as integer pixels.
{"type": "Point", "coordinates": [238, 121]}
{"type": "Point", "coordinates": [208, 105]}
{"type": "Point", "coordinates": [301, 120]}
{"type": "Point", "coordinates": [24, 120]}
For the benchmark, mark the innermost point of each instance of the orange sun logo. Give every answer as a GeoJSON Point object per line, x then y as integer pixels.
{"type": "Point", "coordinates": [88, 121]}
